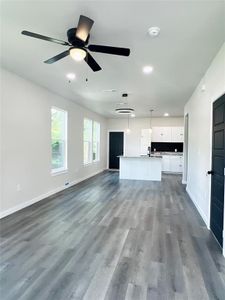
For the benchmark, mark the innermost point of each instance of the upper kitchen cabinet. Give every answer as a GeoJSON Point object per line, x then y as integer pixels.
{"type": "Point", "coordinates": [177, 134]}
{"type": "Point", "coordinates": [161, 134]}
{"type": "Point", "coordinates": [167, 134]}
{"type": "Point", "coordinates": [145, 140]}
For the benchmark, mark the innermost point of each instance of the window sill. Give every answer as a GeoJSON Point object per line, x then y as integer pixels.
{"type": "Point", "coordinates": [96, 161]}
{"type": "Point", "coordinates": [59, 172]}
{"type": "Point", "coordinates": [87, 164]}
{"type": "Point", "coordinates": [91, 163]}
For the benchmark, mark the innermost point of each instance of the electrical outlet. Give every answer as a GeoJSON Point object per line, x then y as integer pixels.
{"type": "Point", "coordinates": [18, 187]}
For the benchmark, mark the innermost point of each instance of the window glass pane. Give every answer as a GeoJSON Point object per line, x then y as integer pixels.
{"type": "Point", "coordinates": [87, 141]}
{"type": "Point", "coordinates": [95, 151]}
{"type": "Point", "coordinates": [96, 141]}
{"type": "Point", "coordinates": [58, 137]}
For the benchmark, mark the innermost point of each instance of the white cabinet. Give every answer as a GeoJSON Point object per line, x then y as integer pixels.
{"type": "Point", "coordinates": [156, 134]}
{"type": "Point", "coordinates": [175, 164]}
{"type": "Point", "coordinates": [166, 163]}
{"type": "Point", "coordinates": [145, 140]}
{"type": "Point", "coordinates": [177, 134]}
{"type": "Point", "coordinates": [167, 134]}
{"type": "Point", "coordinates": [161, 134]}
{"type": "Point", "coordinates": [172, 163]}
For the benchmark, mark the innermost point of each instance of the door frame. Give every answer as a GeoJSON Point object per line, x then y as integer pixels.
{"type": "Point", "coordinates": [210, 168]}
{"type": "Point", "coordinates": [124, 138]}
{"type": "Point", "coordinates": [186, 150]}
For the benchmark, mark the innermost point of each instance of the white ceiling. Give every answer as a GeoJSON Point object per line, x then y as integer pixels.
{"type": "Point", "coordinates": [191, 34]}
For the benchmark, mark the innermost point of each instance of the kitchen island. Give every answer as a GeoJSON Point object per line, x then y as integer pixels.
{"type": "Point", "coordinates": [141, 167]}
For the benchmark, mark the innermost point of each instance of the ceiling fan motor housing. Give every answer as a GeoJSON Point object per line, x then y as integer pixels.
{"type": "Point", "coordinates": [72, 39]}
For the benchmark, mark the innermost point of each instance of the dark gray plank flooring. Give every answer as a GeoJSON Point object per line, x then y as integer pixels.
{"type": "Point", "coordinates": [110, 239]}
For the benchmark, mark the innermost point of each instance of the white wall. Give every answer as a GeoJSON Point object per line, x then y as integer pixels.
{"type": "Point", "coordinates": [26, 144]}
{"type": "Point", "coordinates": [199, 109]}
{"type": "Point", "coordinates": [133, 139]}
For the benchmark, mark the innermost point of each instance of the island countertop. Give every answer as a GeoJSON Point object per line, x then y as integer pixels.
{"type": "Point", "coordinates": [141, 156]}
{"type": "Point", "coordinates": [141, 167]}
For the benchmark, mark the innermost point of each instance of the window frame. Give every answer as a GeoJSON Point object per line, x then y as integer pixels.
{"type": "Point", "coordinates": [92, 142]}
{"type": "Point", "coordinates": [98, 142]}
{"type": "Point", "coordinates": [63, 169]}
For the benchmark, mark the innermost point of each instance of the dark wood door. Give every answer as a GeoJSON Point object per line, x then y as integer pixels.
{"type": "Point", "coordinates": [115, 149]}
{"type": "Point", "coordinates": [218, 169]}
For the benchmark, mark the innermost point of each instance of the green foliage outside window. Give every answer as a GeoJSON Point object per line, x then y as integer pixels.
{"type": "Point", "coordinates": [58, 138]}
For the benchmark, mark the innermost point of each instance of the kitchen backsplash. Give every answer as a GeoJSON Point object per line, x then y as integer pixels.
{"type": "Point", "coordinates": [167, 147]}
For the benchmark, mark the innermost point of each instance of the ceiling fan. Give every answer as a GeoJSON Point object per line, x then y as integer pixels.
{"type": "Point", "coordinates": [78, 42]}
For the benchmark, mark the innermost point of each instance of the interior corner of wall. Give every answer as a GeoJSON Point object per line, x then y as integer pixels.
{"type": "Point", "coordinates": [195, 201]}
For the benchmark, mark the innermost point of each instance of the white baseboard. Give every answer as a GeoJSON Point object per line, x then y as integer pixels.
{"type": "Point", "coordinates": [205, 219]}
{"type": "Point", "coordinates": [43, 196]}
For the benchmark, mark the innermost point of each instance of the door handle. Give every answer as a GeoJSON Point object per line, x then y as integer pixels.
{"type": "Point", "coordinates": [210, 172]}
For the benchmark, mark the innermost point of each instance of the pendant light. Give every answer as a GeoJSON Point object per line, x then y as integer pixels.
{"type": "Point", "coordinates": [150, 121]}
{"type": "Point", "coordinates": [128, 124]}
{"type": "Point", "coordinates": [125, 110]}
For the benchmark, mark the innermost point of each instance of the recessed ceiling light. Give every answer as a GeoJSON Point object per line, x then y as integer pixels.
{"type": "Point", "coordinates": [132, 115]}
{"type": "Point", "coordinates": [147, 69]}
{"type": "Point", "coordinates": [71, 76]}
{"type": "Point", "coordinates": [154, 31]}
{"type": "Point", "coordinates": [166, 115]}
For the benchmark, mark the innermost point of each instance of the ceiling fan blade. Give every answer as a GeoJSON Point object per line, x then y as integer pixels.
{"type": "Point", "coordinates": [92, 63]}
{"type": "Point", "coordinates": [83, 28]}
{"type": "Point", "coordinates": [57, 57]}
{"type": "Point", "coordinates": [109, 50]}
{"type": "Point", "coordinates": [43, 37]}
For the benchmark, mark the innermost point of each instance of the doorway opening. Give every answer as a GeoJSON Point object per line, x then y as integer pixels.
{"type": "Point", "coordinates": [186, 142]}
{"type": "Point", "coordinates": [116, 148]}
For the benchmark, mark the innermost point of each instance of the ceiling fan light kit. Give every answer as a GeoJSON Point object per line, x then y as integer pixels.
{"type": "Point", "coordinates": [78, 39]}
{"type": "Point", "coordinates": [78, 54]}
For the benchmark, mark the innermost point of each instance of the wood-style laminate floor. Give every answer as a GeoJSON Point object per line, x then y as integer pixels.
{"type": "Point", "coordinates": [113, 240]}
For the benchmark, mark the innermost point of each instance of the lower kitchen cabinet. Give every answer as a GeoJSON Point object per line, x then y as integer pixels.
{"type": "Point", "coordinates": [165, 163]}
{"type": "Point", "coordinates": [172, 163]}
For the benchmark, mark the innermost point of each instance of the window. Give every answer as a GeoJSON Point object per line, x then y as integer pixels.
{"type": "Point", "coordinates": [59, 139]}
{"type": "Point", "coordinates": [96, 142]}
{"type": "Point", "coordinates": [91, 141]}
{"type": "Point", "coordinates": [87, 141]}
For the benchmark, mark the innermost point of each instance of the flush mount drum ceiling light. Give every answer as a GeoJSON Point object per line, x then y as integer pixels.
{"type": "Point", "coordinates": [124, 110]}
